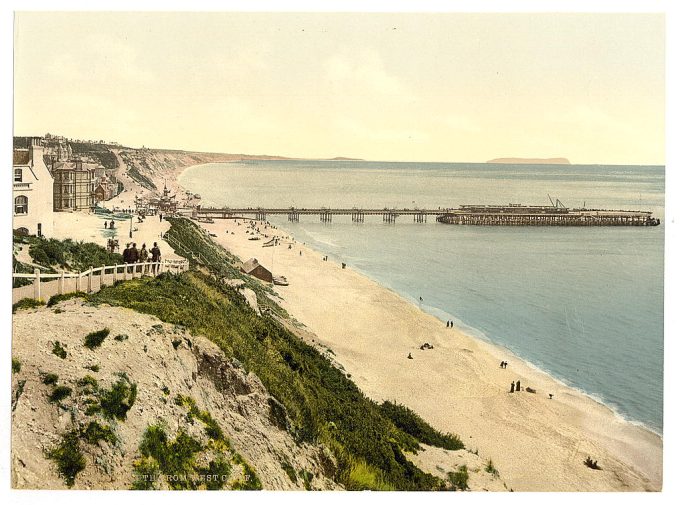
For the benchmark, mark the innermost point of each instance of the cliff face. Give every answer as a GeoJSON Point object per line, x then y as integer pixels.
{"type": "Point", "coordinates": [107, 417]}
{"type": "Point", "coordinates": [532, 161]}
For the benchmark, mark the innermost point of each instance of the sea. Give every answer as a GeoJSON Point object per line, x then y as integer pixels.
{"type": "Point", "coordinates": [582, 304]}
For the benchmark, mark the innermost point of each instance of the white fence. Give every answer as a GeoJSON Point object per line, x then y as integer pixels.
{"type": "Point", "coordinates": [46, 285]}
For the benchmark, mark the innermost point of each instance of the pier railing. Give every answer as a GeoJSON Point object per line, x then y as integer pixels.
{"type": "Point", "coordinates": [92, 280]}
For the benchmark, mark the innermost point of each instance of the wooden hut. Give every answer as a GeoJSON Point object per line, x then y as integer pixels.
{"type": "Point", "coordinates": [253, 267]}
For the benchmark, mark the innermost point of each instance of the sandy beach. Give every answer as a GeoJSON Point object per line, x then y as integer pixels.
{"type": "Point", "coordinates": [537, 443]}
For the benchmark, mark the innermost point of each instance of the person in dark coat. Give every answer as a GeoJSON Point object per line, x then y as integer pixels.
{"type": "Point", "coordinates": [126, 254]}
{"type": "Point", "coordinates": [512, 387]}
{"type": "Point", "coordinates": [155, 256]}
{"type": "Point", "coordinates": [517, 387]}
{"type": "Point", "coordinates": [143, 258]}
{"type": "Point", "coordinates": [134, 254]}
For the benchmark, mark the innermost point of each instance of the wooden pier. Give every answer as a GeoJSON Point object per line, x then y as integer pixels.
{"type": "Point", "coordinates": [325, 214]}
{"type": "Point", "coordinates": [474, 215]}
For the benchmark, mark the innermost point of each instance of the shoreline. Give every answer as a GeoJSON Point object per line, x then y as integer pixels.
{"type": "Point", "coordinates": [588, 425]}
{"type": "Point", "coordinates": [591, 426]}
{"type": "Point", "coordinates": [503, 351]}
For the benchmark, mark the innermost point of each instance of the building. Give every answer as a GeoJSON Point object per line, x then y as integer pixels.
{"type": "Point", "coordinates": [33, 188]}
{"type": "Point", "coordinates": [105, 189]}
{"type": "Point", "coordinates": [167, 203]}
{"type": "Point", "coordinates": [253, 267]}
{"type": "Point", "coordinates": [74, 185]}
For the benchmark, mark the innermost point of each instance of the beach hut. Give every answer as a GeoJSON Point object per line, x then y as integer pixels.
{"type": "Point", "coordinates": [253, 267]}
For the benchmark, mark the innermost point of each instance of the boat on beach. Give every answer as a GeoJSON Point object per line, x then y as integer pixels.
{"type": "Point", "coordinates": [280, 280]}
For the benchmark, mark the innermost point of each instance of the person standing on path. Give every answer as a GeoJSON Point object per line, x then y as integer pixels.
{"type": "Point", "coordinates": [134, 255]}
{"type": "Point", "coordinates": [155, 256]}
{"type": "Point", "coordinates": [143, 258]}
{"type": "Point", "coordinates": [126, 254]}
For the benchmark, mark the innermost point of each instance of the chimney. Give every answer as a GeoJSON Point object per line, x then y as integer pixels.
{"type": "Point", "coordinates": [35, 149]}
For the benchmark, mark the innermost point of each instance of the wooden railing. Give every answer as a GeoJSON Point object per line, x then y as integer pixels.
{"type": "Point", "coordinates": [45, 285]}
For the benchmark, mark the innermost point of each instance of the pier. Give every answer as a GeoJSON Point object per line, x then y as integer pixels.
{"type": "Point", "coordinates": [325, 213]}
{"type": "Point", "coordinates": [473, 215]}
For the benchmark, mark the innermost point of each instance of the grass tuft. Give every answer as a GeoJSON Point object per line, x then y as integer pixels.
{"type": "Point", "coordinates": [26, 303]}
{"type": "Point", "coordinates": [95, 339]}
{"type": "Point", "coordinates": [59, 393]}
{"type": "Point", "coordinates": [459, 479]}
{"type": "Point", "coordinates": [59, 350]}
{"type": "Point", "coordinates": [68, 457]}
{"type": "Point", "coordinates": [55, 299]}
{"type": "Point", "coordinates": [50, 378]}
{"type": "Point", "coordinates": [16, 365]}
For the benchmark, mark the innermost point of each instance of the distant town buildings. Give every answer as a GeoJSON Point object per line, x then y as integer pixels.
{"type": "Point", "coordinates": [33, 188]}
{"type": "Point", "coordinates": [48, 177]}
{"type": "Point", "coordinates": [74, 185]}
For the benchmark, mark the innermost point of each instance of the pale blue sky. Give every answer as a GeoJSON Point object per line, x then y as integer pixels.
{"type": "Point", "coordinates": [429, 87]}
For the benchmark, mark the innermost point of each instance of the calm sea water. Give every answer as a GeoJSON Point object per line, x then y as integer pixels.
{"type": "Point", "coordinates": [584, 304]}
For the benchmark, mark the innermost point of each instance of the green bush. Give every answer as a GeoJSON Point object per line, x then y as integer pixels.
{"type": "Point", "coordinates": [250, 480]}
{"type": "Point", "coordinates": [70, 254]}
{"type": "Point", "coordinates": [50, 378]}
{"type": "Point", "coordinates": [95, 339]}
{"type": "Point", "coordinates": [66, 296]}
{"type": "Point", "coordinates": [174, 457]}
{"type": "Point", "coordinates": [212, 429]}
{"type": "Point", "coordinates": [59, 350]}
{"type": "Point", "coordinates": [407, 420]}
{"type": "Point", "coordinates": [59, 393]}
{"type": "Point", "coordinates": [68, 457]}
{"type": "Point", "coordinates": [16, 365]}
{"type": "Point", "coordinates": [117, 401]}
{"type": "Point", "coordinates": [459, 479]}
{"type": "Point", "coordinates": [490, 468]}
{"type": "Point", "coordinates": [26, 303]}
{"type": "Point", "coordinates": [94, 432]}
{"type": "Point", "coordinates": [88, 380]}
{"type": "Point", "coordinates": [290, 471]}
{"type": "Point", "coordinates": [94, 368]}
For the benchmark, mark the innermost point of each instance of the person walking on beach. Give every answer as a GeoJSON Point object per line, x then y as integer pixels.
{"type": "Point", "coordinates": [143, 258]}
{"type": "Point", "coordinates": [155, 256]}
{"type": "Point", "coordinates": [517, 386]}
{"type": "Point", "coordinates": [447, 324]}
{"type": "Point", "coordinates": [512, 387]}
{"type": "Point", "coordinates": [106, 225]}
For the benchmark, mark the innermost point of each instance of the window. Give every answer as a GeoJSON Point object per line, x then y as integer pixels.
{"type": "Point", "coordinates": [18, 175]}
{"type": "Point", "coordinates": [21, 205]}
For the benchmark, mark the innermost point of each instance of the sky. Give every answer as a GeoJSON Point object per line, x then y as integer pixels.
{"type": "Point", "coordinates": [458, 87]}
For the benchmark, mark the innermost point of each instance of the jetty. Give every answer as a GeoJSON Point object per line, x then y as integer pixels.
{"type": "Point", "coordinates": [523, 215]}
{"type": "Point", "coordinates": [474, 215]}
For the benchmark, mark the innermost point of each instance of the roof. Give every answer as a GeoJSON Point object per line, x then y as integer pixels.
{"type": "Point", "coordinates": [251, 265]}
{"type": "Point", "coordinates": [21, 156]}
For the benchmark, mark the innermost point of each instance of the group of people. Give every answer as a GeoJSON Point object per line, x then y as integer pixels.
{"type": "Point", "coordinates": [110, 225]}
{"type": "Point", "coordinates": [133, 255]}
{"type": "Point", "coordinates": [515, 386]}
{"type": "Point", "coordinates": [504, 364]}
{"type": "Point", "coordinates": [449, 324]}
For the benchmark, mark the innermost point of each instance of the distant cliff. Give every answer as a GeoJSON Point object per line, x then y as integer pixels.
{"type": "Point", "coordinates": [532, 161]}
